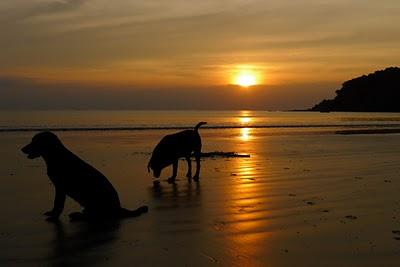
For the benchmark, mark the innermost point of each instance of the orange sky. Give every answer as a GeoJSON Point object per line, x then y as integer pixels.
{"type": "Point", "coordinates": [305, 47]}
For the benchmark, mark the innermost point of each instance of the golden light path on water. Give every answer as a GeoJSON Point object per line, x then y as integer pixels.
{"type": "Point", "coordinates": [245, 214]}
{"type": "Point", "coordinates": [244, 119]}
{"type": "Point", "coordinates": [245, 134]}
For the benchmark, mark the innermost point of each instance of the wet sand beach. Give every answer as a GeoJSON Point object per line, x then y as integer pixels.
{"type": "Point", "coordinates": [300, 199]}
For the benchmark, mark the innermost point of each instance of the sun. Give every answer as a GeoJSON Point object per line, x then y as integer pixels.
{"type": "Point", "coordinates": [245, 79]}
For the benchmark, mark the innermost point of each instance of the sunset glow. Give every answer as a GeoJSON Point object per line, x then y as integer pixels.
{"type": "Point", "coordinates": [245, 79]}
{"type": "Point", "coordinates": [137, 55]}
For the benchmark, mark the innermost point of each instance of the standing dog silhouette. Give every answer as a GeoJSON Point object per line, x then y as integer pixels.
{"type": "Point", "coordinates": [73, 177]}
{"type": "Point", "coordinates": [175, 146]}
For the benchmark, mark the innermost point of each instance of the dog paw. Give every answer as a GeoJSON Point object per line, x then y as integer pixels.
{"type": "Point", "coordinates": [52, 219]}
{"type": "Point", "coordinates": [143, 209]}
{"type": "Point", "coordinates": [49, 213]}
{"type": "Point", "coordinates": [76, 216]}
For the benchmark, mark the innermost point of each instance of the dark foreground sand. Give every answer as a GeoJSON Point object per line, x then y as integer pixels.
{"type": "Point", "coordinates": [299, 200]}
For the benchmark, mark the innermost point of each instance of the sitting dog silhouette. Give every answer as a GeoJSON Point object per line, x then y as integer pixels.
{"type": "Point", "coordinates": [175, 146]}
{"type": "Point", "coordinates": [73, 177]}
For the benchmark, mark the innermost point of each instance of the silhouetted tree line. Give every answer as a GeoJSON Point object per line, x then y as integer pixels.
{"type": "Point", "coordinates": [375, 92]}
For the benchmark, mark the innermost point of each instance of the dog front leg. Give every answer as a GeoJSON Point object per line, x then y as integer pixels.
{"type": "Point", "coordinates": [171, 180]}
{"type": "Point", "coordinates": [58, 207]}
{"type": "Point", "coordinates": [197, 174]}
{"type": "Point", "coordinates": [189, 172]}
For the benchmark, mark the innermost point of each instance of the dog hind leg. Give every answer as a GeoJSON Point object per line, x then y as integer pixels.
{"type": "Point", "coordinates": [197, 174]}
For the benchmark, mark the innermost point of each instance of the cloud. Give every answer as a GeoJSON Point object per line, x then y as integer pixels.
{"type": "Point", "coordinates": [259, 33]}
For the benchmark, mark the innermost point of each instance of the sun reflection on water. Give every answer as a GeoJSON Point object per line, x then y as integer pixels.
{"type": "Point", "coordinates": [246, 204]}
{"type": "Point", "coordinates": [245, 134]}
{"type": "Point", "coordinates": [245, 120]}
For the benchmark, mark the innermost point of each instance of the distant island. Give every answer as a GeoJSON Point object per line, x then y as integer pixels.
{"type": "Point", "coordinates": [375, 92]}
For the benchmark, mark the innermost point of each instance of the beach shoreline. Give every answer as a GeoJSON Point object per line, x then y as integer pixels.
{"type": "Point", "coordinates": [299, 199]}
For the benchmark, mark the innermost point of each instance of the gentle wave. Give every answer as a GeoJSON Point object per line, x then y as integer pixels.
{"type": "Point", "coordinates": [210, 127]}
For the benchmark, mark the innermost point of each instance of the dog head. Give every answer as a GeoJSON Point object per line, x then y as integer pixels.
{"type": "Point", "coordinates": [157, 163]}
{"type": "Point", "coordinates": [155, 166]}
{"type": "Point", "coordinates": [42, 143]}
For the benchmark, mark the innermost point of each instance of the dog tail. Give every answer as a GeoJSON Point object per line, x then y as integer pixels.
{"type": "Point", "coordinates": [196, 128]}
{"type": "Point", "coordinates": [125, 213]}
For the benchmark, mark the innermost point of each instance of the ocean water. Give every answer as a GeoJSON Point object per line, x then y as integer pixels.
{"type": "Point", "coordinates": [147, 120]}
